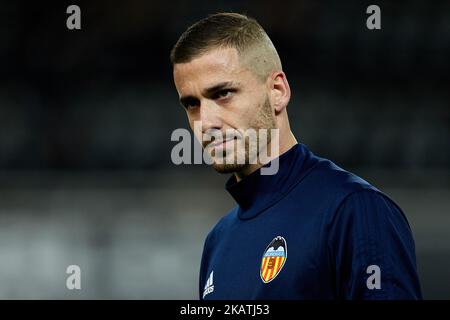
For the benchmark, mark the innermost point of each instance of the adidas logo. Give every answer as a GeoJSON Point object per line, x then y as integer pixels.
{"type": "Point", "coordinates": [209, 286]}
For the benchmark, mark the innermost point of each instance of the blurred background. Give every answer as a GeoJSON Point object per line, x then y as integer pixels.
{"type": "Point", "coordinates": [86, 118]}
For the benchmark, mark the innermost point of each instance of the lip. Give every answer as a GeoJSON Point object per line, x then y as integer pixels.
{"type": "Point", "coordinates": [219, 143]}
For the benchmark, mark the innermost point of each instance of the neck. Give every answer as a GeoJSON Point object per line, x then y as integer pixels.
{"type": "Point", "coordinates": [287, 141]}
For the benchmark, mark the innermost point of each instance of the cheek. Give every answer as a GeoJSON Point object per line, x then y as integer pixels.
{"type": "Point", "coordinates": [246, 110]}
{"type": "Point", "coordinates": [192, 117]}
{"type": "Point", "coordinates": [195, 127]}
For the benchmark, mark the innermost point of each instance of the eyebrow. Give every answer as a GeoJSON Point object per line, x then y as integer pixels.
{"type": "Point", "coordinates": [220, 86]}
{"type": "Point", "coordinates": [210, 91]}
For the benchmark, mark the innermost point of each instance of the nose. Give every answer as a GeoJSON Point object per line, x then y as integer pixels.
{"type": "Point", "coordinates": [210, 116]}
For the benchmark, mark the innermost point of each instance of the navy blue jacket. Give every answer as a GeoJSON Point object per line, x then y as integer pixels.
{"type": "Point", "coordinates": [311, 231]}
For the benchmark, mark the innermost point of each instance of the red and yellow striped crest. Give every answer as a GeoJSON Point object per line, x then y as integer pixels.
{"type": "Point", "coordinates": [273, 259]}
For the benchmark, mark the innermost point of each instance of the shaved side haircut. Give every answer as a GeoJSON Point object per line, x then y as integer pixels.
{"type": "Point", "coordinates": [229, 30]}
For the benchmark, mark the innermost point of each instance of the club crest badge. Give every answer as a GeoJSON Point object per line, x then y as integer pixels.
{"type": "Point", "coordinates": [273, 259]}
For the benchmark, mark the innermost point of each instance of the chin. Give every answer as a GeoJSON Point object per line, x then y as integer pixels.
{"type": "Point", "coordinates": [228, 168]}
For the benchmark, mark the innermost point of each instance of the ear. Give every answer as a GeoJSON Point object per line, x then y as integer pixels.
{"type": "Point", "coordinates": [280, 92]}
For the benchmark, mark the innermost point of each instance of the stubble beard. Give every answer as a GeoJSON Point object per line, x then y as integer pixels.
{"type": "Point", "coordinates": [264, 120]}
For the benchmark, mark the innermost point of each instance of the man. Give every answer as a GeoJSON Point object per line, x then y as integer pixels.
{"type": "Point", "coordinates": [311, 230]}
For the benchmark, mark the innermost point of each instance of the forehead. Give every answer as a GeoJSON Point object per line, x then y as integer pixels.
{"type": "Point", "coordinates": [215, 66]}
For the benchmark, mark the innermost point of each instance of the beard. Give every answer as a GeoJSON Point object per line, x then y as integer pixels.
{"type": "Point", "coordinates": [236, 151]}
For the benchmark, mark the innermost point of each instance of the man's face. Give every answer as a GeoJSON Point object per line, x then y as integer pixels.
{"type": "Point", "coordinates": [222, 93]}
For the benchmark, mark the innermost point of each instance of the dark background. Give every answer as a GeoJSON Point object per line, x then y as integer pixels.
{"type": "Point", "coordinates": [86, 117]}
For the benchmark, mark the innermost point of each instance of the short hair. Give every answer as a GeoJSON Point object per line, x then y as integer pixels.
{"type": "Point", "coordinates": [227, 30]}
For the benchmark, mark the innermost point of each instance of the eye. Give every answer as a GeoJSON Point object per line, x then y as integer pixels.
{"type": "Point", "coordinates": [224, 94]}
{"type": "Point", "coordinates": [190, 104]}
